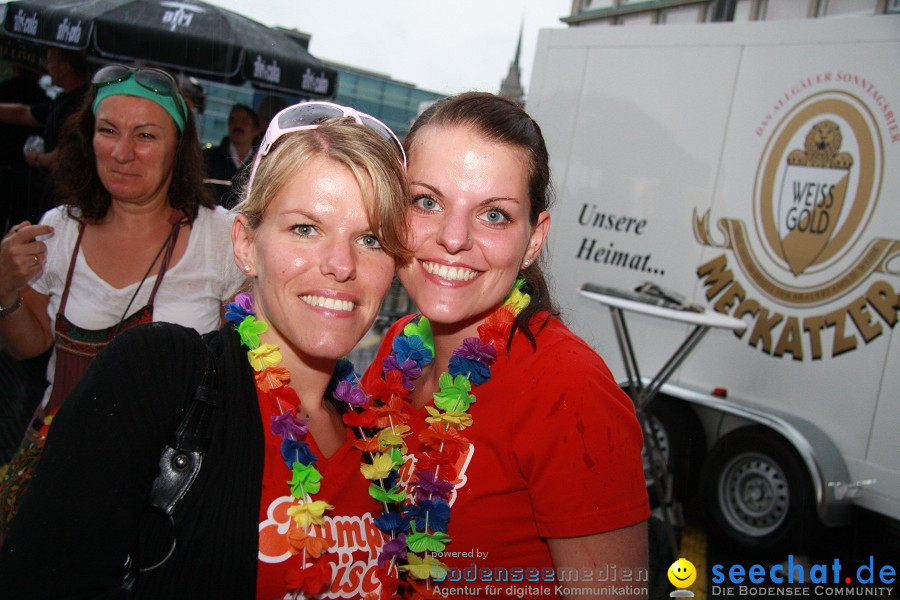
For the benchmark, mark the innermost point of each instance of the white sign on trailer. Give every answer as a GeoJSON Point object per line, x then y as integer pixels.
{"type": "Point", "coordinates": [753, 169]}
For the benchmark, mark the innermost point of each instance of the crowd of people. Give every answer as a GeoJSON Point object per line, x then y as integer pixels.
{"type": "Point", "coordinates": [202, 434]}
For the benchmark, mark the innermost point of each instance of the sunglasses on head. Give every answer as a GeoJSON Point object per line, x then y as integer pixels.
{"type": "Point", "coordinates": [157, 81]}
{"type": "Point", "coordinates": [310, 115]}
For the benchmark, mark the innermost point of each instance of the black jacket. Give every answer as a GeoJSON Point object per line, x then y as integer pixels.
{"type": "Point", "coordinates": [85, 509]}
{"type": "Point", "coordinates": [220, 167]}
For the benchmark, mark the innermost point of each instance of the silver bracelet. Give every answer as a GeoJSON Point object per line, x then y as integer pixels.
{"type": "Point", "coordinates": [5, 310]}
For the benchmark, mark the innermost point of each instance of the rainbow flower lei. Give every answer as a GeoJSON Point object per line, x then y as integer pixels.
{"type": "Point", "coordinates": [312, 573]}
{"type": "Point", "coordinates": [415, 524]}
{"type": "Point", "coordinates": [416, 517]}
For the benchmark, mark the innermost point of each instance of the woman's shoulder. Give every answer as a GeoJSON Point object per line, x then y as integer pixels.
{"type": "Point", "coordinates": [551, 334]}
{"type": "Point", "coordinates": [564, 366]}
{"type": "Point", "coordinates": [214, 226]}
{"type": "Point", "coordinates": [215, 252]}
{"type": "Point", "coordinates": [175, 350]}
{"type": "Point", "coordinates": [176, 337]}
{"type": "Point", "coordinates": [156, 341]}
{"type": "Point", "coordinates": [61, 216]}
{"type": "Point", "coordinates": [211, 236]}
{"type": "Point", "coordinates": [150, 360]}
{"type": "Point", "coordinates": [559, 345]}
{"type": "Point", "coordinates": [218, 212]}
{"type": "Point", "coordinates": [214, 217]}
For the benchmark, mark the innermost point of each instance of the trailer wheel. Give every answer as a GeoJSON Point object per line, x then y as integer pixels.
{"type": "Point", "coordinates": [757, 493]}
{"type": "Point", "coordinates": [680, 441]}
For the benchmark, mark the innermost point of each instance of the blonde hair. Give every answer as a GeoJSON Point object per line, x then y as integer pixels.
{"type": "Point", "coordinates": [374, 164]}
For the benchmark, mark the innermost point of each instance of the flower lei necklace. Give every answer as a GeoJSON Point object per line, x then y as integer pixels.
{"type": "Point", "coordinates": [312, 573]}
{"type": "Point", "coordinates": [416, 525]}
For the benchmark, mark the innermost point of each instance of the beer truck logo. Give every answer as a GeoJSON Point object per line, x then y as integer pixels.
{"type": "Point", "coordinates": [816, 189]}
{"type": "Point", "coordinates": [815, 192]}
{"type": "Point", "coordinates": [812, 195]}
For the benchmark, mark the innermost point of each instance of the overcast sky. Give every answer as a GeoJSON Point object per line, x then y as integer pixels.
{"type": "Point", "coordinates": [444, 46]}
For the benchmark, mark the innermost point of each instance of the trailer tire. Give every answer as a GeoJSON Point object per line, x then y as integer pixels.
{"type": "Point", "coordinates": [680, 439]}
{"type": "Point", "coordinates": [757, 493]}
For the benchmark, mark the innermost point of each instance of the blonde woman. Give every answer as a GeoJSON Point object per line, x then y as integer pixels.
{"type": "Point", "coordinates": [317, 233]}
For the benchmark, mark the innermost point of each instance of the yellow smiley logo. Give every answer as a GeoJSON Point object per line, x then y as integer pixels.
{"type": "Point", "coordinates": [682, 573]}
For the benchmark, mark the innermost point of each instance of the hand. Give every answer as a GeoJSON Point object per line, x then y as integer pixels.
{"type": "Point", "coordinates": [21, 258]}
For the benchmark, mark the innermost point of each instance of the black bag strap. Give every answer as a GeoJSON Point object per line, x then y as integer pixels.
{"type": "Point", "coordinates": [182, 459]}
{"type": "Point", "coordinates": [180, 462]}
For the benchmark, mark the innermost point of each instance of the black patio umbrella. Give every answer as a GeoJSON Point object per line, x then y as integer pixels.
{"type": "Point", "coordinates": [189, 36]}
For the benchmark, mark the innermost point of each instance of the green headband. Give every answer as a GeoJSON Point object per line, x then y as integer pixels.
{"type": "Point", "coordinates": [130, 87]}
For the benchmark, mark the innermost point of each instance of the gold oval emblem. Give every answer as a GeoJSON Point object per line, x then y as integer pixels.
{"type": "Point", "coordinates": [816, 189]}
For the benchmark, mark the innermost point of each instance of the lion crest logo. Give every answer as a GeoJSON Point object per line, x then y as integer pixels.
{"type": "Point", "coordinates": [821, 148]}
{"type": "Point", "coordinates": [816, 188]}
{"type": "Point", "coordinates": [812, 195]}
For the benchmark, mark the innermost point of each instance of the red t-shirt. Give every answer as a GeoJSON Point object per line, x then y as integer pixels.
{"type": "Point", "coordinates": [555, 452]}
{"type": "Point", "coordinates": [349, 526]}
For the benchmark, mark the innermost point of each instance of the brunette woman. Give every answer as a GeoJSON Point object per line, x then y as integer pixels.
{"type": "Point", "coordinates": [523, 453]}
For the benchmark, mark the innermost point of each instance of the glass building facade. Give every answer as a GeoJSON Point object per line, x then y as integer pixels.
{"type": "Point", "coordinates": [393, 102]}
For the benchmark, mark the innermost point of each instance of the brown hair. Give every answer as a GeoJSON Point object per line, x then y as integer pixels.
{"type": "Point", "coordinates": [503, 121]}
{"type": "Point", "coordinates": [374, 164]}
{"type": "Point", "coordinates": [79, 185]}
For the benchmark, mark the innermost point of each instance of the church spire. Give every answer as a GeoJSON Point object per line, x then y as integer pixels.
{"type": "Point", "coordinates": [511, 86]}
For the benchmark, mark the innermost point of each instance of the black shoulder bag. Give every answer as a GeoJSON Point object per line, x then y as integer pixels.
{"type": "Point", "coordinates": [180, 462]}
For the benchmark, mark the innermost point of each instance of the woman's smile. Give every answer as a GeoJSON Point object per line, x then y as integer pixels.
{"type": "Point", "coordinates": [328, 303]}
{"type": "Point", "coordinates": [321, 270]}
{"type": "Point", "coordinates": [449, 273]}
{"type": "Point", "coordinates": [469, 222]}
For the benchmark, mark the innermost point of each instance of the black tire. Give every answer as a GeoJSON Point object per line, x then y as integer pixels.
{"type": "Point", "coordinates": [680, 441]}
{"type": "Point", "coordinates": [757, 493]}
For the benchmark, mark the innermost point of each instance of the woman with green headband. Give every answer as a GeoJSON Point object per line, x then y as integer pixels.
{"type": "Point", "coordinates": [136, 238]}
{"type": "Point", "coordinates": [280, 507]}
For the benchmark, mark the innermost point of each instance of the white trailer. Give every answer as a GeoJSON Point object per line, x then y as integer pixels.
{"type": "Point", "coordinates": [755, 169]}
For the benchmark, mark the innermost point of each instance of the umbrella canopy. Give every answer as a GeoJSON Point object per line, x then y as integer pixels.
{"type": "Point", "coordinates": [189, 36]}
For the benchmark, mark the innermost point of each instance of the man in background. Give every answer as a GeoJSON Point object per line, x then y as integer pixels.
{"type": "Point", "coordinates": [225, 162]}
{"type": "Point", "coordinates": [20, 88]}
{"type": "Point", "coordinates": [71, 71]}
